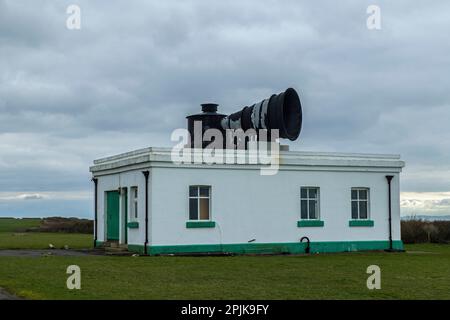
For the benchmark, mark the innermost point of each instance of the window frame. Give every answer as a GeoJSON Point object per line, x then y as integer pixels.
{"type": "Point", "coordinates": [134, 203]}
{"type": "Point", "coordinates": [307, 199]}
{"type": "Point", "coordinates": [198, 197]}
{"type": "Point", "coordinates": [358, 200]}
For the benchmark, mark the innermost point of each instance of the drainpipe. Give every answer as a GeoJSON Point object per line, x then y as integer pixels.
{"type": "Point", "coordinates": [308, 248]}
{"type": "Point", "coordinates": [95, 209]}
{"type": "Point", "coordinates": [389, 179]}
{"type": "Point", "coordinates": [146, 173]}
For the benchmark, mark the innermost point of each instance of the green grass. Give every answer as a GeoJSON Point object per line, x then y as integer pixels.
{"type": "Point", "coordinates": [424, 273]}
{"type": "Point", "coordinates": [13, 236]}
{"type": "Point", "coordinates": [18, 225]}
{"type": "Point", "coordinates": [41, 240]}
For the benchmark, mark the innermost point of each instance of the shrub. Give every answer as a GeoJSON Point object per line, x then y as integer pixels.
{"type": "Point", "coordinates": [69, 225]}
{"type": "Point", "coordinates": [420, 231]}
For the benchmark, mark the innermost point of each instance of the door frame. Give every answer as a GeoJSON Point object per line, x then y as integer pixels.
{"type": "Point", "coordinates": [106, 215]}
{"type": "Point", "coordinates": [124, 214]}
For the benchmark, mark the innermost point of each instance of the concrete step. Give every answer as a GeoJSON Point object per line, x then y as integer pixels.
{"type": "Point", "coordinates": [116, 249]}
{"type": "Point", "coordinates": [114, 244]}
{"type": "Point", "coordinates": [118, 253]}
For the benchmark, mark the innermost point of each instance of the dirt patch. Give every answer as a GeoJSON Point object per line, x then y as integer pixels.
{"type": "Point", "coordinates": [5, 295]}
{"type": "Point", "coordinates": [421, 252]}
{"type": "Point", "coordinates": [44, 253]}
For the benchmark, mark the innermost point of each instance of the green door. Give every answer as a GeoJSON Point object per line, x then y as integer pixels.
{"type": "Point", "coordinates": [112, 215]}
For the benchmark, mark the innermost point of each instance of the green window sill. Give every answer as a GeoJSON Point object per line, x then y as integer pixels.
{"type": "Point", "coordinates": [310, 223]}
{"type": "Point", "coordinates": [200, 224]}
{"type": "Point", "coordinates": [133, 225]}
{"type": "Point", "coordinates": [360, 223]}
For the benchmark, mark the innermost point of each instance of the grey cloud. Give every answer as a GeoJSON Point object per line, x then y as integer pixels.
{"type": "Point", "coordinates": [134, 70]}
{"type": "Point", "coordinates": [25, 196]}
{"type": "Point", "coordinates": [35, 196]}
{"type": "Point", "coordinates": [443, 203]}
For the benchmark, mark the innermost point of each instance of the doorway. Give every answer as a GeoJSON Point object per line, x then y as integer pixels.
{"type": "Point", "coordinates": [112, 215]}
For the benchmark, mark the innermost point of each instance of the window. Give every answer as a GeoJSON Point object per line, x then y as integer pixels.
{"type": "Point", "coordinates": [309, 203]}
{"type": "Point", "coordinates": [360, 203]}
{"type": "Point", "coordinates": [199, 202]}
{"type": "Point", "coordinates": [134, 203]}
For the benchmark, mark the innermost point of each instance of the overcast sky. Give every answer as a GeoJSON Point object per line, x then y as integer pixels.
{"type": "Point", "coordinates": [129, 76]}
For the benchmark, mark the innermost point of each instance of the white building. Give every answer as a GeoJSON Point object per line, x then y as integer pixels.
{"type": "Point", "coordinates": [340, 202]}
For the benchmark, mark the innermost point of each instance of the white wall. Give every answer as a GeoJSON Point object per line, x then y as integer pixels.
{"type": "Point", "coordinates": [113, 182]}
{"type": "Point", "coordinates": [248, 206]}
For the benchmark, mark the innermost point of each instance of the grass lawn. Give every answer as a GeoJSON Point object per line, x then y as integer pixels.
{"type": "Point", "coordinates": [13, 236]}
{"type": "Point", "coordinates": [41, 240]}
{"type": "Point", "coordinates": [423, 273]}
{"type": "Point", "coordinates": [18, 225]}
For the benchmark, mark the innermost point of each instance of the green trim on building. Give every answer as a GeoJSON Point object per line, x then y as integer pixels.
{"type": "Point", "coordinates": [310, 223]}
{"type": "Point", "coordinates": [360, 223]}
{"type": "Point", "coordinates": [270, 248]}
{"type": "Point", "coordinates": [200, 224]}
{"type": "Point", "coordinates": [133, 224]}
{"type": "Point", "coordinates": [138, 248]}
{"type": "Point", "coordinates": [98, 243]}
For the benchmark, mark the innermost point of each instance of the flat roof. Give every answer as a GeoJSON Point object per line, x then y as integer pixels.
{"type": "Point", "coordinates": [293, 160]}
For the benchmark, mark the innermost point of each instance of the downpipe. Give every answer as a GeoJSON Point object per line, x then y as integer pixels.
{"type": "Point", "coordinates": [391, 246]}
{"type": "Point", "coordinates": [95, 180]}
{"type": "Point", "coordinates": [308, 244]}
{"type": "Point", "coordinates": [146, 174]}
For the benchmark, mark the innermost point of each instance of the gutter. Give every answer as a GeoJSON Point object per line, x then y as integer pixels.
{"type": "Point", "coordinates": [95, 180]}
{"type": "Point", "coordinates": [146, 174]}
{"type": "Point", "coordinates": [389, 179]}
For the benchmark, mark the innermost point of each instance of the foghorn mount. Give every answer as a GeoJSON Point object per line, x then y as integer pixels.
{"type": "Point", "coordinates": [280, 111]}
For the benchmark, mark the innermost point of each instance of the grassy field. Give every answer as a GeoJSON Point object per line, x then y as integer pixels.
{"type": "Point", "coordinates": [422, 273]}
{"type": "Point", "coordinates": [41, 240]}
{"type": "Point", "coordinates": [18, 225]}
{"type": "Point", "coordinates": [13, 236]}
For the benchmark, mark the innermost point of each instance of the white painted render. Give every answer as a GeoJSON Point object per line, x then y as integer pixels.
{"type": "Point", "coordinates": [114, 182]}
{"type": "Point", "coordinates": [246, 205]}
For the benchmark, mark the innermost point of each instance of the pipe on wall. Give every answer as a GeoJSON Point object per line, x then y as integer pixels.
{"type": "Point", "coordinates": [308, 244]}
{"type": "Point", "coordinates": [389, 179]}
{"type": "Point", "coordinates": [146, 174]}
{"type": "Point", "coordinates": [95, 180]}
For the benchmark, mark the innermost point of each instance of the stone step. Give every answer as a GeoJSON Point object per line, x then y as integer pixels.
{"type": "Point", "coordinates": [116, 249]}
{"type": "Point", "coordinates": [118, 253]}
{"type": "Point", "coordinates": [114, 245]}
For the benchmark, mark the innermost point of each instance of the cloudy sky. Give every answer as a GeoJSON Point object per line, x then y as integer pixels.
{"type": "Point", "coordinates": [128, 77]}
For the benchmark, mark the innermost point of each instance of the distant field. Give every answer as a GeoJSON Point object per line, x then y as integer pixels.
{"type": "Point", "coordinates": [13, 236]}
{"type": "Point", "coordinates": [18, 225]}
{"type": "Point", "coordinates": [422, 273]}
{"type": "Point", "coordinates": [41, 240]}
